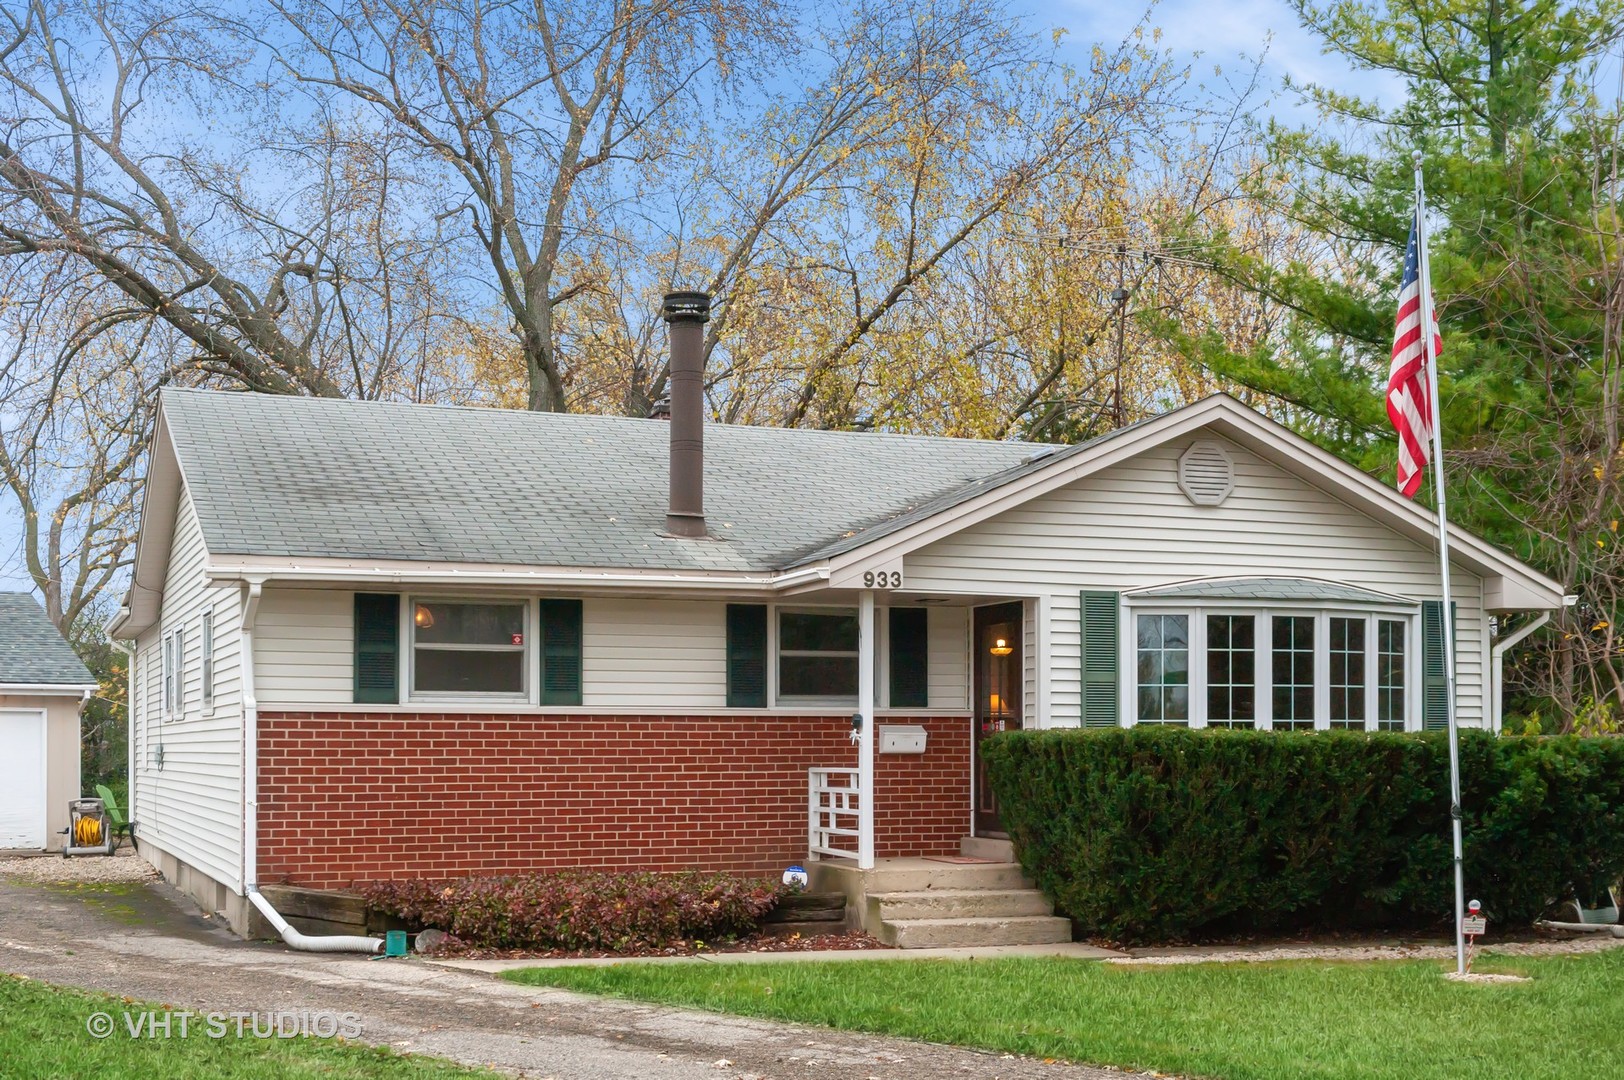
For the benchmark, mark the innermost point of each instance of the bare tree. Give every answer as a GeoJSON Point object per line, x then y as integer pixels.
{"type": "Point", "coordinates": [524, 107]}
{"type": "Point", "coordinates": [77, 406]}
{"type": "Point", "coordinates": [129, 143]}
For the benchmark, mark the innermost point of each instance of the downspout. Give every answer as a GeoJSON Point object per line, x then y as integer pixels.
{"type": "Point", "coordinates": [1497, 665]}
{"type": "Point", "coordinates": [250, 802]}
{"type": "Point", "coordinates": [250, 736]}
{"type": "Point", "coordinates": [295, 940]}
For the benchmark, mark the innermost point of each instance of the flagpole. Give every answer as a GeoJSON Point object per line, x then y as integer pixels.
{"type": "Point", "coordinates": [1428, 343]}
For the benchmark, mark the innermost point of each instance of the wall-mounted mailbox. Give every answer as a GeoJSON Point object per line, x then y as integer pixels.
{"type": "Point", "coordinates": [902, 739]}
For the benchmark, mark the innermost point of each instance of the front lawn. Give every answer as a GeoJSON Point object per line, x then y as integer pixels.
{"type": "Point", "coordinates": [43, 1036]}
{"type": "Point", "coordinates": [1281, 1021]}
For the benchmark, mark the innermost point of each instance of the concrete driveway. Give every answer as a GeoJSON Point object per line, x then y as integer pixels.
{"type": "Point", "coordinates": [149, 943]}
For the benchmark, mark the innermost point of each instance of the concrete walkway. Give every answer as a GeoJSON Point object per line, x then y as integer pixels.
{"type": "Point", "coordinates": [147, 943]}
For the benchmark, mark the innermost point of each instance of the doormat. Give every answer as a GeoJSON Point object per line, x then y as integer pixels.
{"type": "Point", "coordinates": [959, 860]}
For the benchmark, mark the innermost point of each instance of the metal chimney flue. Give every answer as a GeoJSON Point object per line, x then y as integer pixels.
{"type": "Point", "coordinates": [685, 314]}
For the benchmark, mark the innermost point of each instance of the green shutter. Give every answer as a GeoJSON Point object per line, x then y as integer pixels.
{"type": "Point", "coordinates": [747, 656]}
{"type": "Point", "coordinates": [1434, 685]}
{"type": "Point", "coordinates": [377, 648]}
{"type": "Point", "coordinates": [560, 652]}
{"type": "Point", "coordinates": [910, 659]}
{"type": "Point", "coordinates": [1100, 619]}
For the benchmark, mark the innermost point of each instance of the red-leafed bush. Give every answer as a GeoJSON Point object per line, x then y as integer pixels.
{"type": "Point", "coordinates": [576, 910]}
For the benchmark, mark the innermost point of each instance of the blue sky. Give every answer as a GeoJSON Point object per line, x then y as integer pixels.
{"type": "Point", "coordinates": [1228, 34]}
{"type": "Point", "coordinates": [1221, 34]}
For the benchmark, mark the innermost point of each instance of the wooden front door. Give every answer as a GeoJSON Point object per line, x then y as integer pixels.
{"type": "Point", "coordinates": [997, 685]}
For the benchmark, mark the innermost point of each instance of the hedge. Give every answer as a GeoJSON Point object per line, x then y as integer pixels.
{"type": "Point", "coordinates": [1150, 834]}
{"type": "Point", "coordinates": [576, 910]}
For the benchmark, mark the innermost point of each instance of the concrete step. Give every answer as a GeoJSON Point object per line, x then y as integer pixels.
{"type": "Point", "coordinates": [959, 904]}
{"type": "Point", "coordinates": [987, 847]}
{"type": "Point", "coordinates": [920, 875]}
{"type": "Point", "coordinates": [967, 933]}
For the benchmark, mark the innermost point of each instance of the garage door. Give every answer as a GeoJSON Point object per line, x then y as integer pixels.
{"type": "Point", "coordinates": [22, 778]}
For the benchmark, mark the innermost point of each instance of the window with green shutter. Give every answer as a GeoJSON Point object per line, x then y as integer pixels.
{"type": "Point", "coordinates": [377, 648]}
{"type": "Point", "coordinates": [1434, 684]}
{"type": "Point", "coordinates": [1099, 624]}
{"type": "Point", "coordinates": [560, 652]}
{"type": "Point", "coordinates": [747, 656]}
{"type": "Point", "coordinates": [910, 659]}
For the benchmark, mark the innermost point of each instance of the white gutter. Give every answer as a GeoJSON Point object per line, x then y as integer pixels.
{"type": "Point", "coordinates": [50, 688]}
{"type": "Point", "coordinates": [435, 575]}
{"type": "Point", "coordinates": [1497, 667]}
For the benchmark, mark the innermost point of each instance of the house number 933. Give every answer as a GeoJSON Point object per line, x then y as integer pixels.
{"type": "Point", "coordinates": [882, 579]}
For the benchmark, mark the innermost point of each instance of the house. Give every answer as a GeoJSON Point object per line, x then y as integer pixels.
{"type": "Point", "coordinates": [43, 686]}
{"type": "Point", "coordinates": [377, 640]}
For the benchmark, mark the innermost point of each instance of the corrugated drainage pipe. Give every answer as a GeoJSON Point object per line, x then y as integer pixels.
{"type": "Point", "coordinates": [296, 940]}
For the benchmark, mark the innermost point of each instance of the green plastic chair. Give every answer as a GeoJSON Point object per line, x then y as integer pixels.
{"type": "Point", "coordinates": [122, 829]}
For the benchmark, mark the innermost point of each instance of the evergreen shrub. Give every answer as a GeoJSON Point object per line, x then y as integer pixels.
{"type": "Point", "coordinates": [1155, 834]}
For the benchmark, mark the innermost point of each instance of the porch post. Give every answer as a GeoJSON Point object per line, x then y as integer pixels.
{"type": "Point", "coordinates": [865, 745]}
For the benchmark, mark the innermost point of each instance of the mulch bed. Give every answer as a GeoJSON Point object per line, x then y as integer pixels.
{"type": "Point", "coordinates": [453, 949]}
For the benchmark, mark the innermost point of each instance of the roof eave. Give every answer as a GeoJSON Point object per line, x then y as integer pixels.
{"type": "Point", "coordinates": [322, 572]}
{"type": "Point", "coordinates": [160, 503]}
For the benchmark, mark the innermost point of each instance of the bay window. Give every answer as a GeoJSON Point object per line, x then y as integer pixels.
{"type": "Point", "coordinates": [1231, 668]}
{"type": "Point", "coordinates": [1164, 669]}
{"type": "Point", "coordinates": [1390, 667]}
{"type": "Point", "coordinates": [1274, 667]}
{"type": "Point", "coordinates": [1347, 672]}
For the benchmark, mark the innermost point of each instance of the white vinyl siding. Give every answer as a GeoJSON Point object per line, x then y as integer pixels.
{"type": "Point", "coordinates": [1130, 527]}
{"type": "Point", "coordinates": [949, 642]}
{"type": "Point", "coordinates": [654, 656]}
{"type": "Point", "coordinates": [192, 806]}
{"type": "Point", "coordinates": [304, 647]}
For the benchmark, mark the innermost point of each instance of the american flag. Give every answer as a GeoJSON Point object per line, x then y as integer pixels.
{"type": "Point", "coordinates": [1409, 404]}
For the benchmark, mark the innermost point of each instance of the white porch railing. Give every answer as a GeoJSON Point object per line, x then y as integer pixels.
{"type": "Point", "coordinates": [832, 813]}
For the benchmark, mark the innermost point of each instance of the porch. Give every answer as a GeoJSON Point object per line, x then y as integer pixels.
{"type": "Point", "coordinates": [978, 897]}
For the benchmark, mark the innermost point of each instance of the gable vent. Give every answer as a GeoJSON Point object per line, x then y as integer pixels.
{"type": "Point", "coordinates": [1206, 474]}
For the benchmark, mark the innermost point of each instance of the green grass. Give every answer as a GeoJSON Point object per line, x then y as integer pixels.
{"type": "Point", "coordinates": [43, 1037]}
{"type": "Point", "coordinates": [1235, 1021]}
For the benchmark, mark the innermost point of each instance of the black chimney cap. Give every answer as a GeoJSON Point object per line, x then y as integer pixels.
{"type": "Point", "coordinates": [686, 304]}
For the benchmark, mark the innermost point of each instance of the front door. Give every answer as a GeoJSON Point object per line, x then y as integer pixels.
{"type": "Point", "coordinates": [998, 676]}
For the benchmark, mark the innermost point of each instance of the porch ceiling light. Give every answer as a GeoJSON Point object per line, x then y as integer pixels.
{"type": "Point", "coordinates": [423, 617]}
{"type": "Point", "coordinates": [1002, 648]}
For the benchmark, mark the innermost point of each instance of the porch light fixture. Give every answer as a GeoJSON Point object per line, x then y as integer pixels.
{"type": "Point", "coordinates": [1001, 648]}
{"type": "Point", "coordinates": [423, 617]}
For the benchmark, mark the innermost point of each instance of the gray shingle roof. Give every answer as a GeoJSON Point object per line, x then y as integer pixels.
{"type": "Point", "coordinates": [32, 653]}
{"type": "Point", "coordinates": [286, 476]}
{"type": "Point", "coordinates": [1269, 588]}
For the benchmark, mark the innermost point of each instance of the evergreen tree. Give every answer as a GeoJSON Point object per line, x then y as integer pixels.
{"type": "Point", "coordinates": [1521, 160]}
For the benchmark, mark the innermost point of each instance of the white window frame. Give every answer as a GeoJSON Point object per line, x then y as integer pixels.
{"type": "Point", "coordinates": [776, 654]}
{"type": "Point", "coordinates": [205, 659]}
{"type": "Point", "coordinates": [408, 635]}
{"type": "Point", "coordinates": [1263, 669]}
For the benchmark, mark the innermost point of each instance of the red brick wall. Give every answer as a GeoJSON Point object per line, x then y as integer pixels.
{"type": "Point", "coordinates": [360, 797]}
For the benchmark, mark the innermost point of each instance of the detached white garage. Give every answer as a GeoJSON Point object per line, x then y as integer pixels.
{"type": "Point", "coordinates": [43, 685]}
